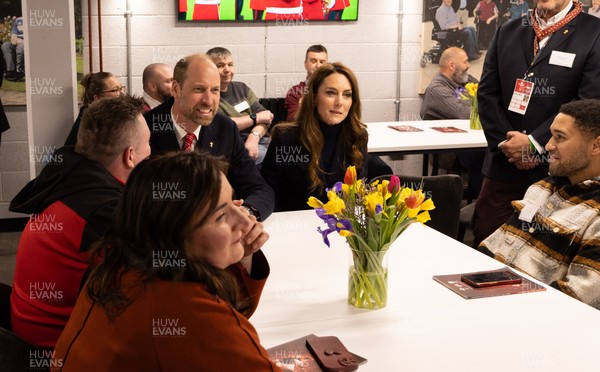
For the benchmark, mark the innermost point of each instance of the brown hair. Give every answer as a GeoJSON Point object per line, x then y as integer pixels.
{"type": "Point", "coordinates": [93, 83]}
{"type": "Point", "coordinates": [146, 223]}
{"type": "Point", "coordinates": [353, 133]}
{"type": "Point", "coordinates": [108, 127]}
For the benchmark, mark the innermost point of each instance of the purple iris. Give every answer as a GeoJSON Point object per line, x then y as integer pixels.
{"type": "Point", "coordinates": [378, 208]}
{"type": "Point", "coordinates": [458, 91]}
{"type": "Point", "coordinates": [332, 225]}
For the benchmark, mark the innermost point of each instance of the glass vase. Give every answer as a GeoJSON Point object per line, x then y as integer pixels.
{"type": "Point", "coordinates": [367, 279]}
{"type": "Point", "coordinates": [475, 123]}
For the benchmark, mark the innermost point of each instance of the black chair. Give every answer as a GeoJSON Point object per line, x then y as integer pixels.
{"type": "Point", "coordinates": [466, 221]}
{"type": "Point", "coordinates": [446, 192]}
{"type": "Point", "coordinates": [377, 167]}
{"type": "Point", "coordinates": [277, 107]}
{"type": "Point", "coordinates": [15, 353]}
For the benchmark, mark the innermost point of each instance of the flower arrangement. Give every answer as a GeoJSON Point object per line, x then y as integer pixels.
{"type": "Point", "coordinates": [469, 92]}
{"type": "Point", "coordinates": [370, 217]}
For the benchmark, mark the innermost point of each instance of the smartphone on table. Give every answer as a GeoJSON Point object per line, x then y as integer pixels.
{"type": "Point", "coordinates": [490, 279]}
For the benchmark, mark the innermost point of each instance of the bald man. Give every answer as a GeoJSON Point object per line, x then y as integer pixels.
{"type": "Point", "coordinates": [440, 102]}
{"type": "Point", "coordinates": [189, 120]}
{"type": "Point", "coordinates": [156, 80]}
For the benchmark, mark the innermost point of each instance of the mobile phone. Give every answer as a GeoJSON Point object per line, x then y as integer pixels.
{"type": "Point", "coordinates": [489, 279]}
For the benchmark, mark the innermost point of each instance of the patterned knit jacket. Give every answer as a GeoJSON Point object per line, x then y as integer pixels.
{"type": "Point", "coordinates": [561, 244]}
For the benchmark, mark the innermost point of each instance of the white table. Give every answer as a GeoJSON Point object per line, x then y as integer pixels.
{"type": "Point", "coordinates": [425, 327]}
{"type": "Point", "coordinates": [384, 140]}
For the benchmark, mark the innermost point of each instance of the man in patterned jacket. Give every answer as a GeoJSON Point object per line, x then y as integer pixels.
{"type": "Point", "coordinates": [554, 233]}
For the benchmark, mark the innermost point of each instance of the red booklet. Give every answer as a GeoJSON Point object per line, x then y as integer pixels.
{"type": "Point", "coordinates": [456, 285]}
{"type": "Point", "coordinates": [295, 356]}
{"type": "Point", "coordinates": [449, 129]}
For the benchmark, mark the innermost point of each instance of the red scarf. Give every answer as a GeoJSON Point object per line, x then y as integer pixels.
{"type": "Point", "coordinates": [541, 34]}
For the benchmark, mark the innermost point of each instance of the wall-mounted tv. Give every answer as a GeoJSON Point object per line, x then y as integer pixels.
{"type": "Point", "coordinates": [283, 11]}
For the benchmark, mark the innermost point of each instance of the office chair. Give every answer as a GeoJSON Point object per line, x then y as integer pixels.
{"type": "Point", "coordinates": [446, 191]}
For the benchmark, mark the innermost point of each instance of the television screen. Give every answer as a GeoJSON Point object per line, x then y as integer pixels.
{"type": "Point", "coordinates": [283, 11]}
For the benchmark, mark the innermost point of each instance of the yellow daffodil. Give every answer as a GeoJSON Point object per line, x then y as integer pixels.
{"type": "Point", "coordinates": [372, 200]}
{"type": "Point", "coordinates": [423, 217]}
{"type": "Point", "coordinates": [472, 89]}
{"type": "Point", "coordinates": [314, 202]}
{"type": "Point", "coordinates": [335, 205]}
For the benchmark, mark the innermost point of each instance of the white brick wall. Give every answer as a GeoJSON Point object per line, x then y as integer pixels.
{"type": "Point", "coordinates": [269, 58]}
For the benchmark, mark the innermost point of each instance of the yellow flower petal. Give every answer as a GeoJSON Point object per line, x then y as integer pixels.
{"type": "Point", "coordinates": [423, 217]}
{"type": "Point", "coordinates": [314, 202]}
{"type": "Point", "coordinates": [427, 205]}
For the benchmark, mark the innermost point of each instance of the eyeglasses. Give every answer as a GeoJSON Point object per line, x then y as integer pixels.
{"type": "Point", "coordinates": [121, 89]}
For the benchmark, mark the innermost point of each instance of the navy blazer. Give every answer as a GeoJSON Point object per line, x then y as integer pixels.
{"type": "Point", "coordinates": [510, 57]}
{"type": "Point", "coordinates": [220, 138]}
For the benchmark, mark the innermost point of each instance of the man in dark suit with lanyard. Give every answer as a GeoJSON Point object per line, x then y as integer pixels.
{"type": "Point", "coordinates": [189, 120]}
{"type": "Point", "coordinates": [532, 66]}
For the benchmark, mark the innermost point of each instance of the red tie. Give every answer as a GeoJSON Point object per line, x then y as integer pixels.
{"type": "Point", "coordinates": [188, 145]}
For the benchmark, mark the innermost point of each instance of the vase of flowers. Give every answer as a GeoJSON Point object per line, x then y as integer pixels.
{"type": "Point", "coordinates": [370, 216]}
{"type": "Point", "coordinates": [469, 92]}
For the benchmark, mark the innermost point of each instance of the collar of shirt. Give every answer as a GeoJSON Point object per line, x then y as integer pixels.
{"type": "Point", "coordinates": [552, 20]}
{"type": "Point", "coordinates": [560, 15]}
{"type": "Point", "coordinates": [150, 101]}
{"type": "Point", "coordinates": [463, 4]}
{"type": "Point", "coordinates": [180, 132]}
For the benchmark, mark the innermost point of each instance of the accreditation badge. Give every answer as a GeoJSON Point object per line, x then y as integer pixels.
{"type": "Point", "coordinates": [521, 96]}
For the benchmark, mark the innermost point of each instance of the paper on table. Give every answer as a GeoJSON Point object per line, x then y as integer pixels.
{"type": "Point", "coordinates": [461, 288]}
{"type": "Point", "coordinates": [449, 129]}
{"type": "Point", "coordinates": [405, 128]}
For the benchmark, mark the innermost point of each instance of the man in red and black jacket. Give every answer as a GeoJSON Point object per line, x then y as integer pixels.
{"type": "Point", "coordinates": [71, 204]}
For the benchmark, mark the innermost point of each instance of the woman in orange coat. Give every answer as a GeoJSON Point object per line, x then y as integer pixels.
{"type": "Point", "coordinates": [177, 281]}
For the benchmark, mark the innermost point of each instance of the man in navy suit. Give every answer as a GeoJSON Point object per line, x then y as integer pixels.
{"type": "Point", "coordinates": [189, 120]}
{"type": "Point", "coordinates": [552, 57]}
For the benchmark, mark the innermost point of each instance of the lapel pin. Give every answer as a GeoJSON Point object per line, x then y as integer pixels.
{"type": "Point", "coordinates": [211, 144]}
{"type": "Point", "coordinates": [566, 32]}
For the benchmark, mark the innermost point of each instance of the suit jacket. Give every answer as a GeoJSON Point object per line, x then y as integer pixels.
{"type": "Point", "coordinates": [510, 57]}
{"type": "Point", "coordinates": [220, 138]}
{"type": "Point", "coordinates": [285, 170]}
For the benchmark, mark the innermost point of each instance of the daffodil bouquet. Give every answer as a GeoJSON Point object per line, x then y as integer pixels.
{"type": "Point", "coordinates": [469, 92]}
{"type": "Point", "coordinates": [370, 217]}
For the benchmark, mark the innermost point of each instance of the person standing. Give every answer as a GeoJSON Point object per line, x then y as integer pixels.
{"type": "Point", "coordinates": [529, 71]}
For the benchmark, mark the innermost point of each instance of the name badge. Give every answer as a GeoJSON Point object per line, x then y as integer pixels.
{"type": "Point", "coordinates": [521, 96]}
{"type": "Point", "coordinates": [240, 107]}
{"type": "Point", "coordinates": [562, 59]}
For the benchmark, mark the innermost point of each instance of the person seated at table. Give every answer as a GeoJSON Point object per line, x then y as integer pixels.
{"type": "Point", "coordinates": [177, 280]}
{"type": "Point", "coordinates": [71, 204]}
{"type": "Point", "coordinates": [157, 79]}
{"type": "Point", "coordinates": [554, 232]}
{"type": "Point", "coordinates": [441, 102]}
{"type": "Point", "coordinates": [315, 57]}
{"type": "Point", "coordinates": [448, 20]}
{"type": "Point", "coordinates": [241, 104]}
{"type": "Point", "coordinates": [313, 152]}
{"type": "Point", "coordinates": [96, 86]}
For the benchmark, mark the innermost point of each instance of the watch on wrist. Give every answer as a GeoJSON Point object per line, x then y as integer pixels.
{"type": "Point", "coordinates": [251, 210]}
{"type": "Point", "coordinates": [253, 117]}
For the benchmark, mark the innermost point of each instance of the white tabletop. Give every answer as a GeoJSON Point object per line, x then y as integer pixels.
{"type": "Point", "coordinates": [425, 327]}
{"type": "Point", "coordinates": [383, 139]}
